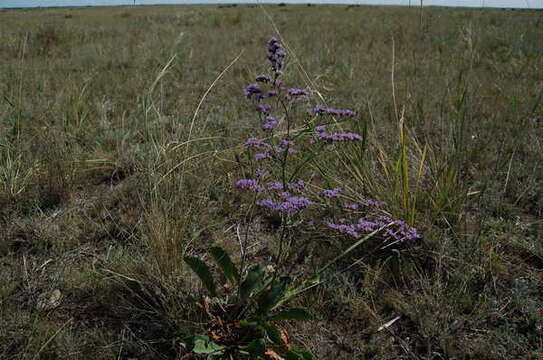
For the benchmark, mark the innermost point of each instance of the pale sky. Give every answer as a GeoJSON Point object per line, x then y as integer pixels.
{"type": "Point", "coordinates": [533, 4]}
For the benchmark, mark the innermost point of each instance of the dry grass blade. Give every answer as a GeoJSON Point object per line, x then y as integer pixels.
{"type": "Point", "coordinates": [202, 99]}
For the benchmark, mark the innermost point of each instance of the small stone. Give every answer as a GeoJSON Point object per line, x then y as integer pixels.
{"type": "Point", "coordinates": [49, 301]}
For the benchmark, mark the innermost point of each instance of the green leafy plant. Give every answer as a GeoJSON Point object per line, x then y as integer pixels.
{"type": "Point", "coordinates": [244, 314]}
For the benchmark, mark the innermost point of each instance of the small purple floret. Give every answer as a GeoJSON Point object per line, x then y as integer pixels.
{"type": "Point", "coordinates": [297, 186]}
{"type": "Point", "coordinates": [263, 108]}
{"type": "Point", "coordinates": [265, 78]}
{"type": "Point", "coordinates": [320, 128]}
{"type": "Point", "coordinates": [284, 194]}
{"type": "Point", "coordinates": [253, 91]}
{"type": "Point", "coordinates": [293, 204]}
{"type": "Point", "coordinates": [249, 184]}
{"type": "Point", "coordinates": [343, 228]}
{"type": "Point", "coordinates": [398, 231]}
{"type": "Point", "coordinates": [370, 203]}
{"type": "Point", "coordinates": [294, 92]}
{"type": "Point", "coordinates": [339, 136]}
{"type": "Point", "coordinates": [262, 156]}
{"type": "Point", "coordinates": [366, 226]}
{"type": "Point", "coordinates": [286, 145]}
{"type": "Point", "coordinates": [332, 193]}
{"type": "Point", "coordinates": [274, 185]}
{"type": "Point", "coordinates": [323, 110]}
{"type": "Point", "coordinates": [256, 144]}
{"type": "Point", "coordinates": [270, 123]}
{"type": "Point", "coordinates": [276, 53]}
{"type": "Point", "coordinates": [269, 203]}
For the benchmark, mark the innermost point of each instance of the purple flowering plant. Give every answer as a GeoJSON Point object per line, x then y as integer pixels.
{"type": "Point", "coordinates": [284, 153]}
{"type": "Point", "coordinates": [283, 180]}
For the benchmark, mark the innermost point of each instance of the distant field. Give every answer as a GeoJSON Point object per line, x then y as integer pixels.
{"type": "Point", "coordinates": [120, 149]}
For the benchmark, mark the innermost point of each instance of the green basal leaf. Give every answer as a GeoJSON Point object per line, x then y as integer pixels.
{"type": "Point", "coordinates": [273, 333]}
{"type": "Point", "coordinates": [254, 279]}
{"type": "Point", "coordinates": [268, 299]}
{"type": "Point", "coordinates": [298, 355]}
{"type": "Point", "coordinates": [203, 272]}
{"type": "Point", "coordinates": [291, 314]}
{"type": "Point", "coordinates": [252, 321]}
{"type": "Point", "coordinates": [225, 263]}
{"type": "Point", "coordinates": [256, 348]}
{"type": "Point", "coordinates": [202, 344]}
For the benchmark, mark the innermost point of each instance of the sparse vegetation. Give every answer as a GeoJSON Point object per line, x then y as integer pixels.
{"type": "Point", "coordinates": [120, 152]}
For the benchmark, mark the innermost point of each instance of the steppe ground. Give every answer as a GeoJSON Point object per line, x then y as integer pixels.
{"type": "Point", "coordinates": [101, 195]}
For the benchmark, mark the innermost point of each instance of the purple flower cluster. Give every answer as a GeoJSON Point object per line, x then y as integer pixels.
{"type": "Point", "coordinates": [256, 144]}
{"type": "Point", "coordinates": [297, 187]}
{"type": "Point", "coordinates": [370, 203]}
{"type": "Point", "coordinates": [286, 196]}
{"type": "Point", "coordinates": [262, 156]}
{"type": "Point", "coordinates": [290, 204]}
{"type": "Point", "coordinates": [395, 231]}
{"type": "Point", "coordinates": [274, 185]}
{"type": "Point", "coordinates": [265, 78]}
{"type": "Point", "coordinates": [270, 123]}
{"type": "Point", "coordinates": [253, 91]}
{"type": "Point", "coordinates": [276, 54]}
{"type": "Point", "coordinates": [267, 203]}
{"type": "Point", "coordinates": [399, 231]}
{"type": "Point", "coordinates": [286, 145]}
{"type": "Point", "coordinates": [293, 204]}
{"type": "Point", "coordinates": [324, 110]}
{"type": "Point", "coordinates": [323, 135]}
{"type": "Point", "coordinates": [272, 92]}
{"type": "Point", "coordinates": [365, 202]}
{"type": "Point", "coordinates": [345, 229]}
{"type": "Point", "coordinates": [349, 136]}
{"type": "Point", "coordinates": [263, 108]}
{"type": "Point", "coordinates": [320, 129]}
{"type": "Point", "coordinates": [295, 92]}
{"type": "Point", "coordinates": [249, 184]}
{"type": "Point", "coordinates": [282, 201]}
{"type": "Point", "coordinates": [331, 193]}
